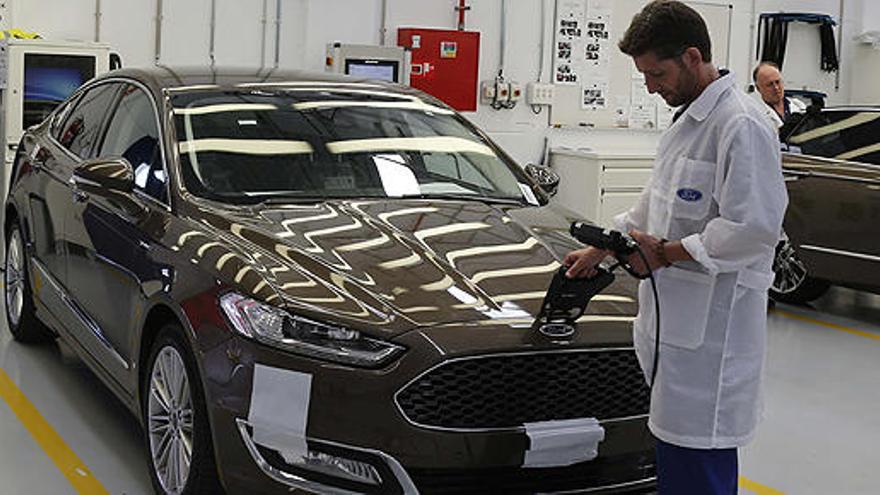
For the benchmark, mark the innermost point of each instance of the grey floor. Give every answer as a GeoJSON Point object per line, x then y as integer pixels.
{"type": "Point", "coordinates": [820, 434]}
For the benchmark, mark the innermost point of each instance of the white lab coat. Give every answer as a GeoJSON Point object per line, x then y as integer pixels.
{"type": "Point", "coordinates": [794, 106]}
{"type": "Point", "coordinates": [717, 186]}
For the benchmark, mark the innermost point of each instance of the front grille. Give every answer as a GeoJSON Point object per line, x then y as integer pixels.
{"type": "Point", "coordinates": [508, 390]}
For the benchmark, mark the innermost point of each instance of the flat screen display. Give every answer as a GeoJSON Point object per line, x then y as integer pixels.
{"type": "Point", "coordinates": [382, 70]}
{"type": "Point", "coordinates": [49, 80]}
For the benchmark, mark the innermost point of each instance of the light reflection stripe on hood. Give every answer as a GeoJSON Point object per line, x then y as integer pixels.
{"type": "Point", "coordinates": [449, 229]}
{"type": "Point", "coordinates": [360, 246]}
{"type": "Point", "coordinates": [413, 259]}
{"type": "Point", "coordinates": [524, 296]}
{"type": "Point", "coordinates": [406, 211]}
{"type": "Point", "coordinates": [509, 272]}
{"type": "Point", "coordinates": [451, 256]}
{"type": "Point", "coordinates": [443, 284]}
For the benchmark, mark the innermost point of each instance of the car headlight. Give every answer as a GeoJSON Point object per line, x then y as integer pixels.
{"type": "Point", "coordinates": [277, 327]}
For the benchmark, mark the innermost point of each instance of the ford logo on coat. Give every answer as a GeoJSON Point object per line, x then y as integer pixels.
{"type": "Point", "coordinates": [689, 194]}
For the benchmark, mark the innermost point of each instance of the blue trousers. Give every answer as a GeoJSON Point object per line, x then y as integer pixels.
{"type": "Point", "coordinates": [684, 471]}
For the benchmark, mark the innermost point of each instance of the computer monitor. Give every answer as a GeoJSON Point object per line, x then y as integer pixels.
{"type": "Point", "coordinates": [49, 79]}
{"type": "Point", "coordinates": [383, 70]}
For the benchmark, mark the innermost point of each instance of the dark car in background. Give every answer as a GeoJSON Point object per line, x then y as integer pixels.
{"type": "Point", "coordinates": [308, 283]}
{"type": "Point", "coordinates": [832, 171]}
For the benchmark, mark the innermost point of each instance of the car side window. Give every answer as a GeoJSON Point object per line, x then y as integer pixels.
{"type": "Point", "coordinates": [843, 135]}
{"type": "Point", "coordinates": [133, 134]}
{"type": "Point", "coordinates": [82, 127]}
{"type": "Point", "coordinates": [59, 116]}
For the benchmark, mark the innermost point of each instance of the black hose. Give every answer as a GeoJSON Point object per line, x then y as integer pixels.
{"type": "Point", "coordinates": [650, 276]}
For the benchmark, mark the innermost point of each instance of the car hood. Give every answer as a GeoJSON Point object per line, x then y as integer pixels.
{"type": "Point", "coordinates": [395, 265]}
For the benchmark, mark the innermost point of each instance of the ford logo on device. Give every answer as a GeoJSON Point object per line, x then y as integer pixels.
{"type": "Point", "coordinates": [689, 194]}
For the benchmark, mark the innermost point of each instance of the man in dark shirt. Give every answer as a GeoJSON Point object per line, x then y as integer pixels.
{"type": "Point", "coordinates": [768, 81]}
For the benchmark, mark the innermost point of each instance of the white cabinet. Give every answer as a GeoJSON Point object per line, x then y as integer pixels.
{"type": "Point", "coordinates": [598, 186]}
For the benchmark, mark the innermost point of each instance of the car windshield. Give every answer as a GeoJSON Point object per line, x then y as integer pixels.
{"type": "Point", "coordinates": [267, 142]}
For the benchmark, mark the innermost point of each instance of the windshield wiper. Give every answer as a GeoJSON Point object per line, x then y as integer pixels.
{"type": "Point", "coordinates": [467, 197]}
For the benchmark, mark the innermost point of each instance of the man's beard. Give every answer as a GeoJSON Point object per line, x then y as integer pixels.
{"type": "Point", "coordinates": [686, 90]}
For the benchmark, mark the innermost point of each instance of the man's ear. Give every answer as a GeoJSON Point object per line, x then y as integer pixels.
{"type": "Point", "coordinates": [692, 57]}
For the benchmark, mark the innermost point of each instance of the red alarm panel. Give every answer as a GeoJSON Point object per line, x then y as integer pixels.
{"type": "Point", "coordinates": [445, 64]}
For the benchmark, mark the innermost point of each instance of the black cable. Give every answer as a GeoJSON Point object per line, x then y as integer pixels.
{"type": "Point", "coordinates": [650, 276]}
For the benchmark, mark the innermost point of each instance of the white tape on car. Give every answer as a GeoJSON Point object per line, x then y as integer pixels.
{"type": "Point", "coordinates": [279, 410]}
{"type": "Point", "coordinates": [562, 443]}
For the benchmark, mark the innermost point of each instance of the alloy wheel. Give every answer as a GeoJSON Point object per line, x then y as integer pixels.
{"type": "Point", "coordinates": [170, 420]}
{"type": "Point", "coordinates": [790, 271]}
{"type": "Point", "coordinates": [14, 277]}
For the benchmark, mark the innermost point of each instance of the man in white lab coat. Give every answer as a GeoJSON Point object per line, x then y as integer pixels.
{"type": "Point", "coordinates": [708, 222]}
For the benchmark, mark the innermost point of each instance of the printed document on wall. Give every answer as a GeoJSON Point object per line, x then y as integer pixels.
{"type": "Point", "coordinates": [569, 41]}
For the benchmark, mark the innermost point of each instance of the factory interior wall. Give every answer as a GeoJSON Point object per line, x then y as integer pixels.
{"type": "Point", "coordinates": [246, 33]}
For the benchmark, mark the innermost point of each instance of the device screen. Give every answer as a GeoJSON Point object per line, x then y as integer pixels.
{"type": "Point", "coordinates": [49, 80]}
{"type": "Point", "coordinates": [382, 70]}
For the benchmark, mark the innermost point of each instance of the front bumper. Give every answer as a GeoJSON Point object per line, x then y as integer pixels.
{"type": "Point", "coordinates": [352, 413]}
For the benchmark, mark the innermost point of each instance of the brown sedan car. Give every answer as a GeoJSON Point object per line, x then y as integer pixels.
{"type": "Point", "coordinates": [832, 170]}
{"type": "Point", "coordinates": [306, 283]}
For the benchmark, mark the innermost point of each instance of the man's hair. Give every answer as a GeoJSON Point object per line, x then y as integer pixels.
{"type": "Point", "coordinates": [765, 63]}
{"type": "Point", "coordinates": [667, 28]}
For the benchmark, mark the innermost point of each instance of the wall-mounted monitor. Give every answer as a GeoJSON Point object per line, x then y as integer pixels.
{"type": "Point", "coordinates": [383, 70]}
{"type": "Point", "coordinates": [383, 63]}
{"type": "Point", "coordinates": [49, 79]}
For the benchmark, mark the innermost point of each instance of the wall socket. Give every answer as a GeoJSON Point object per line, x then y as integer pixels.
{"type": "Point", "coordinates": [539, 93]}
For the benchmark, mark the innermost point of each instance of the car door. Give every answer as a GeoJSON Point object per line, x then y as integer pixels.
{"type": "Point", "coordinates": [111, 233]}
{"type": "Point", "coordinates": [74, 131]}
{"type": "Point", "coordinates": [834, 195]}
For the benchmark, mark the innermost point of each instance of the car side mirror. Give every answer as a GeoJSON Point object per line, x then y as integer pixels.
{"type": "Point", "coordinates": [109, 174]}
{"type": "Point", "coordinates": [547, 179]}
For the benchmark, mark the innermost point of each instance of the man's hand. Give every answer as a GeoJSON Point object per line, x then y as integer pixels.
{"type": "Point", "coordinates": [582, 263]}
{"type": "Point", "coordinates": [651, 247]}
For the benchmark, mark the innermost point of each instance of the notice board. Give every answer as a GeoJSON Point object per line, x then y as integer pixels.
{"type": "Point", "coordinates": [597, 86]}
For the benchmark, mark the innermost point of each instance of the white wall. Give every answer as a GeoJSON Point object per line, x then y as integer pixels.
{"type": "Point", "coordinates": [865, 87]}
{"type": "Point", "coordinates": [245, 36]}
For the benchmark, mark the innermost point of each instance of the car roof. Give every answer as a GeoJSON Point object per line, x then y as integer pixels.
{"type": "Point", "coordinates": [163, 78]}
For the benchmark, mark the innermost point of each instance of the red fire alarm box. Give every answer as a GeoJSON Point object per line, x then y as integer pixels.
{"type": "Point", "coordinates": [445, 64]}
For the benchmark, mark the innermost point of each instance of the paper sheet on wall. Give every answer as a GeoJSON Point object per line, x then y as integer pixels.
{"type": "Point", "coordinates": [568, 41]}
{"type": "Point", "coordinates": [643, 116]}
{"type": "Point", "coordinates": [597, 42]}
{"type": "Point", "coordinates": [594, 94]}
{"type": "Point", "coordinates": [638, 94]}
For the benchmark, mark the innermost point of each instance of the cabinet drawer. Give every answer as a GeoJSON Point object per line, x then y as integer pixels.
{"type": "Point", "coordinates": [625, 177]}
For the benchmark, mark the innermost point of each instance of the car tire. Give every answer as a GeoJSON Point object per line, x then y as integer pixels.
{"type": "Point", "coordinates": [174, 416]}
{"type": "Point", "coordinates": [21, 315]}
{"type": "Point", "coordinates": [792, 283]}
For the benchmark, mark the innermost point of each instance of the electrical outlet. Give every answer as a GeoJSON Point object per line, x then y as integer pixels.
{"type": "Point", "coordinates": [515, 91]}
{"type": "Point", "coordinates": [487, 92]}
{"type": "Point", "coordinates": [502, 92]}
{"type": "Point", "coordinates": [539, 93]}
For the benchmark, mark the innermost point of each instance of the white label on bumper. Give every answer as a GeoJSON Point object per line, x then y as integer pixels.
{"type": "Point", "coordinates": [279, 410]}
{"type": "Point", "coordinates": [562, 443]}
